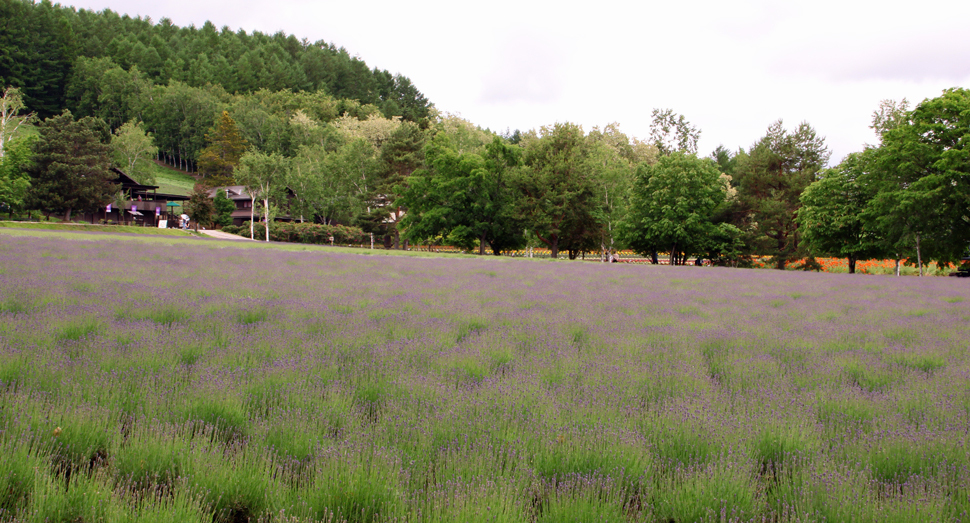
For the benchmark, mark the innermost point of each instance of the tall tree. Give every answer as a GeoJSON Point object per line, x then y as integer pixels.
{"type": "Point", "coordinates": [671, 132]}
{"type": "Point", "coordinates": [401, 154]}
{"type": "Point", "coordinates": [672, 207]}
{"type": "Point", "coordinates": [71, 169]}
{"type": "Point", "coordinates": [771, 177]}
{"type": "Point", "coordinates": [263, 175]}
{"type": "Point", "coordinates": [132, 147]}
{"type": "Point", "coordinates": [559, 194]}
{"type": "Point", "coordinates": [923, 178]}
{"type": "Point", "coordinates": [14, 177]}
{"type": "Point", "coordinates": [226, 147]}
{"type": "Point", "coordinates": [615, 158]}
{"type": "Point", "coordinates": [200, 207]}
{"type": "Point", "coordinates": [463, 197]}
{"type": "Point", "coordinates": [831, 214]}
{"type": "Point", "coordinates": [11, 105]}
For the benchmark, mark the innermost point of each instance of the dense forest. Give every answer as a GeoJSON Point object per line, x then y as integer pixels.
{"type": "Point", "coordinates": [316, 136]}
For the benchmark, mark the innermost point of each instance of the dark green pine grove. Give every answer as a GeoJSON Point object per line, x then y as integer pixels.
{"type": "Point", "coordinates": [58, 56]}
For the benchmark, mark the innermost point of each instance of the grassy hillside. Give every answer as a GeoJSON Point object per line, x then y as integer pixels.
{"type": "Point", "coordinates": [171, 181]}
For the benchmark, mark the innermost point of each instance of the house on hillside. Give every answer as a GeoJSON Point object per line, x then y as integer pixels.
{"type": "Point", "coordinates": [242, 200]}
{"type": "Point", "coordinates": [244, 204]}
{"type": "Point", "coordinates": [144, 205]}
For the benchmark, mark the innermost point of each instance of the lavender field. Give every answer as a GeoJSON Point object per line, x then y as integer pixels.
{"type": "Point", "coordinates": [145, 381]}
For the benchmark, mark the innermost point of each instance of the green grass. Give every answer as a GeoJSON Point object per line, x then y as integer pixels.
{"type": "Point", "coordinates": [170, 181]}
{"type": "Point", "coordinates": [88, 227]}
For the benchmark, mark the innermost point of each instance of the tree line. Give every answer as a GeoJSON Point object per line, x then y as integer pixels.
{"type": "Point", "coordinates": [453, 183]}
{"type": "Point", "coordinates": [404, 173]}
{"type": "Point", "coordinates": [110, 66]}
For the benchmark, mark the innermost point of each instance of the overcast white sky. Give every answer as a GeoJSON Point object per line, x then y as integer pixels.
{"type": "Point", "coordinates": [732, 68]}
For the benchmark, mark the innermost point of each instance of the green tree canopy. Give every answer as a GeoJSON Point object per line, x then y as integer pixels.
{"type": "Point", "coordinates": [201, 207]}
{"type": "Point", "coordinates": [226, 146]}
{"type": "Point", "coordinates": [559, 190]}
{"type": "Point", "coordinates": [923, 178]}
{"type": "Point", "coordinates": [132, 148]}
{"type": "Point", "coordinates": [71, 168]}
{"type": "Point", "coordinates": [672, 205]}
{"type": "Point", "coordinates": [831, 215]}
{"type": "Point", "coordinates": [14, 176]}
{"type": "Point", "coordinates": [464, 197]}
{"type": "Point", "coordinates": [771, 177]}
{"type": "Point", "coordinates": [264, 177]}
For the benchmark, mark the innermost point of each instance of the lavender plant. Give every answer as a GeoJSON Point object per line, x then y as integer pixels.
{"type": "Point", "coordinates": [172, 380]}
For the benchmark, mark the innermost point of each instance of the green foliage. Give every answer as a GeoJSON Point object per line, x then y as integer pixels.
{"type": "Point", "coordinates": [559, 191]}
{"type": "Point", "coordinates": [221, 157]}
{"type": "Point", "coordinates": [922, 196]}
{"type": "Point", "coordinates": [200, 207]}
{"type": "Point", "coordinates": [830, 219]}
{"type": "Point", "coordinates": [468, 328]}
{"type": "Point", "coordinates": [705, 496]}
{"type": "Point", "coordinates": [71, 167]}
{"type": "Point", "coordinates": [310, 233]}
{"type": "Point", "coordinates": [771, 177]}
{"type": "Point", "coordinates": [77, 330]}
{"type": "Point", "coordinates": [37, 53]}
{"type": "Point", "coordinates": [464, 197]}
{"type": "Point", "coordinates": [672, 206]}
{"type": "Point", "coordinates": [366, 493]}
{"type": "Point", "coordinates": [132, 149]}
{"type": "Point", "coordinates": [151, 460]}
{"type": "Point", "coordinates": [14, 174]}
{"type": "Point", "coordinates": [401, 155]}
{"type": "Point", "coordinates": [263, 175]}
{"type": "Point", "coordinates": [785, 445]}
{"type": "Point", "coordinates": [224, 419]}
{"type": "Point", "coordinates": [18, 471]}
{"type": "Point", "coordinates": [222, 209]}
{"type": "Point", "coordinates": [671, 132]}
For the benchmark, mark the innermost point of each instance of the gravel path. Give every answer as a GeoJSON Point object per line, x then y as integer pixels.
{"type": "Point", "coordinates": [222, 235]}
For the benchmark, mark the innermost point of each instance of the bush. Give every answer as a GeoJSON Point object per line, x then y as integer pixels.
{"type": "Point", "coordinates": [296, 232]}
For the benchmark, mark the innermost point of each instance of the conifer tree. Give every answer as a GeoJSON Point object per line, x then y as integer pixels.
{"type": "Point", "coordinates": [221, 157]}
{"type": "Point", "coordinates": [71, 170]}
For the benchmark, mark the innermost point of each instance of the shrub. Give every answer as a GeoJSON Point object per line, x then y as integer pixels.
{"type": "Point", "coordinates": [311, 233]}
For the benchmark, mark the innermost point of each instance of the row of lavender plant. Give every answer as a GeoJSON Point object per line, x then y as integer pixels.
{"type": "Point", "coordinates": [152, 382]}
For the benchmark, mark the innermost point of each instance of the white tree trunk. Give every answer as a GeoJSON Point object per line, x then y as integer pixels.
{"type": "Point", "coordinates": [252, 216]}
{"type": "Point", "coordinates": [266, 215]}
{"type": "Point", "coordinates": [919, 257]}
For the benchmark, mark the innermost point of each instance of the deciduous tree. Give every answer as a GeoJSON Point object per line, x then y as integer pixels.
{"type": "Point", "coordinates": [923, 178]}
{"type": "Point", "coordinates": [672, 207]}
{"type": "Point", "coordinates": [11, 105]}
{"type": "Point", "coordinates": [463, 197]}
{"type": "Point", "coordinates": [14, 178]}
{"type": "Point", "coordinates": [263, 175]}
{"type": "Point", "coordinates": [559, 192]}
{"type": "Point", "coordinates": [831, 215]}
{"type": "Point", "coordinates": [132, 147]}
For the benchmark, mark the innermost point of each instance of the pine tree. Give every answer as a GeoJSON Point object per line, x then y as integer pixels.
{"type": "Point", "coordinates": [221, 157]}
{"type": "Point", "coordinates": [71, 170]}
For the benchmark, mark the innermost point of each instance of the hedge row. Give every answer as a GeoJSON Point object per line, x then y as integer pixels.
{"type": "Point", "coordinates": [296, 232]}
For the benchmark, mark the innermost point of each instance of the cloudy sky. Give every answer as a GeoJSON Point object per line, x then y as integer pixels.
{"type": "Point", "coordinates": [732, 68]}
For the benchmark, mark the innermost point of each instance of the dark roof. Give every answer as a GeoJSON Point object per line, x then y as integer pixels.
{"type": "Point", "coordinates": [127, 182]}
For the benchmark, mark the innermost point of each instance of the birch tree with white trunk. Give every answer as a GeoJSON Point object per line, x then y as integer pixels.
{"type": "Point", "coordinates": [264, 176]}
{"type": "Point", "coordinates": [11, 104]}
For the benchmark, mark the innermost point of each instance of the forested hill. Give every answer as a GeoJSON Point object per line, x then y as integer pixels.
{"type": "Point", "coordinates": [59, 57]}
